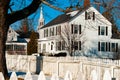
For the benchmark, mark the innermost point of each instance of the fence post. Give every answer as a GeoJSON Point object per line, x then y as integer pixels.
{"type": "Point", "coordinates": [13, 76]}
{"type": "Point", "coordinates": [41, 76]}
{"type": "Point", "coordinates": [28, 76]}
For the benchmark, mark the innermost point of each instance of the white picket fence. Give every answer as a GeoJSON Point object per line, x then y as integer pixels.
{"type": "Point", "coordinates": [68, 76]}
{"type": "Point", "coordinates": [41, 76]}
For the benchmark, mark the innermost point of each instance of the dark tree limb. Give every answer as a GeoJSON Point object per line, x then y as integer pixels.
{"type": "Point", "coordinates": [54, 7]}
{"type": "Point", "coordinates": [21, 14]}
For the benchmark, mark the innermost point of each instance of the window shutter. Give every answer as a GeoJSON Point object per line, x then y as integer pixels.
{"type": "Point", "coordinates": [98, 30]}
{"type": "Point", "coordinates": [116, 47]}
{"type": "Point", "coordinates": [85, 15]}
{"type": "Point", "coordinates": [106, 31]}
{"type": "Point", "coordinates": [79, 45]}
{"type": "Point", "coordinates": [98, 46]}
{"type": "Point", "coordinates": [72, 28]}
{"type": "Point", "coordinates": [93, 15]}
{"type": "Point", "coordinates": [79, 29]}
{"type": "Point", "coordinates": [50, 31]}
{"type": "Point", "coordinates": [106, 47]}
{"type": "Point", "coordinates": [109, 47]}
{"type": "Point", "coordinates": [53, 31]}
{"type": "Point", "coordinates": [56, 30]}
{"type": "Point", "coordinates": [44, 33]}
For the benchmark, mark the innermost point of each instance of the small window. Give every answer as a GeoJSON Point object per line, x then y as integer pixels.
{"type": "Point", "coordinates": [76, 45]}
{"type": "Point", "coordinates": [113, 47]}
{"type": "Point", "coordinates": [75, 29]}
{"type": "Point", "coordinates": [102, 30]}
{"type": "Point", "coordinates": [102, 46]}
{"type": "Point", "coordinates": [90, 15]}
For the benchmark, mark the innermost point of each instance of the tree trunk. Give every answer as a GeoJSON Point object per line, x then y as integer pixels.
{"type": "Point", "coordinates": [3, 36]}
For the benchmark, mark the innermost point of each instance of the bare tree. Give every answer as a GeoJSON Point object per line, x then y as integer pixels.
{"type": "Point", "coordinates": [6, 19]}
{"type": "Point", "coordinates": [67, 37]}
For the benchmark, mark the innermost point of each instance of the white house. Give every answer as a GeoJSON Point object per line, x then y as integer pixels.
{"type": "Point", "coordinates": [15, 44]}
{"type": "Point", "coordinates": [86, 32]}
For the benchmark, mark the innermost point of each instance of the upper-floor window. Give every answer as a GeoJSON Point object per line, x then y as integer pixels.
{"type": "Point", "coordinates": [58, 30]}
{"type": "Point", "coordinates": [46, 33]}
{"type": "Point", "coordinates": [52, 31]}
{"type": "Point", "coordinates": [89, 15]}
{"type": "Point", "coordinates": [102, 30]}
{"type": "Point", "coordinates": [75, 29]}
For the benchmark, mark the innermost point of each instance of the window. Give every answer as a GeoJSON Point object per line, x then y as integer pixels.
{"type": "Point", "coordinates": [107, 46]}
{"type": "Point", "coordinates": [46, 33]}
{"type": "Point", "coordinates": [63, 45]}
{"type": "Point", "coordinates": [90, 15]}
{"type": "Point", "coordinates": [44, 48]}
{"type": "Point", "coordinates": [76, 45]}
{"type": "Point", "coordinates": [102, 30]}
{"type": "Point", "coordinates": [75, 29]}
{"type": "Point", "coordinates": [102, 46]}
{"type": "Point", "coordinates": [52, 31]}
{"type": "Point", "coordinates": [58, 30]}
{"type": "Point", "coordinates": [59, 45]}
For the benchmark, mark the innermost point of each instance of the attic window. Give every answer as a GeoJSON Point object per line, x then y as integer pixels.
{"type": "Point", "coordinates": [90, 15]}
{"type": "Point", "coordinates": [9, 31]}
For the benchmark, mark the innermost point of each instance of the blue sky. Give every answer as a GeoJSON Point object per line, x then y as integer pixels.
{"type": "Point", "coordinates": [48, 12]}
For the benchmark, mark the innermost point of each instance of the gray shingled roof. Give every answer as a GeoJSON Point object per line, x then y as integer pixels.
{"type": "Point", "coordinates": [60, 19]}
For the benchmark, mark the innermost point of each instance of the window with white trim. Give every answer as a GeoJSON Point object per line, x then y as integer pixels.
{"type": "Point", "coordinates": [102, 30]}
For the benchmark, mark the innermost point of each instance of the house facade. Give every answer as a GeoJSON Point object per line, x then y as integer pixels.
{"type": "Point", "coordinates": [81, 32]}
{"type": "Point", "coordinates": [15, 44]}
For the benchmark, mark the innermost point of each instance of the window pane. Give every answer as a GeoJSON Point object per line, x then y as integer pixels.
{"type": "Point", "coordinates": [113, 47]}
{"type": "Point", "coordinates": [75, 29]}
{"type": "Point", "coordinates": [76, 45]}
{"type": "Point", "coordinates": [102, 31]}
{"type": "Point", "coordinates": [102, 46]}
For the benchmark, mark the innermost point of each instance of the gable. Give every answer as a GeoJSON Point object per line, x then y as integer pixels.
{"type": "Point", "coordinates": [72, 15]}
{"type": "Point", "coordinates": [12, 35]}
{"type": "Point", "coordinates": [98, 16]}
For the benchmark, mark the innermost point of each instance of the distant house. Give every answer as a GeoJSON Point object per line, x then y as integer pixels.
{"type": "Point", "coordinates": [90, 34]}
{"type": "Point", "coordinates": [15, 44]}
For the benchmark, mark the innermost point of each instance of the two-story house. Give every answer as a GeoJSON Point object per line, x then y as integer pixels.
{"type": "Point", "coordinates": [81, 32]}
{"type": "Point", "coordinates": [15, 44]}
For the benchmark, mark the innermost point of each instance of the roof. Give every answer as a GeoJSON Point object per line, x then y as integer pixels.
{"type": "Point", "coordinates": [65, 17]}
{"type": "Point", "coordinates": [60, 19]}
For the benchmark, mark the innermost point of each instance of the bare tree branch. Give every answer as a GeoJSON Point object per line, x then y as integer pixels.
{"type": "Point", "coordinates": [54, 7]}
{"type": "Point", "coordinates": [18, 15]}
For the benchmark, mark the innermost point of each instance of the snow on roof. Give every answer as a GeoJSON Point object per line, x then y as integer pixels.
{"type": "Point", "coordinates": [73, 13]}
